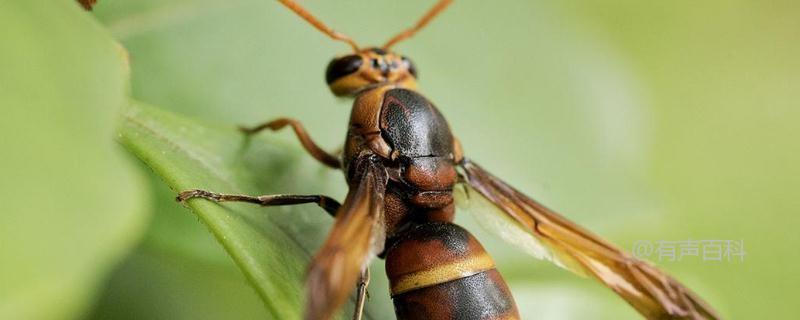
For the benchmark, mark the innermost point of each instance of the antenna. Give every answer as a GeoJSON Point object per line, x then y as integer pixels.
{"type": "Point", "coordinates": [303, 13]}
{"type": "Point", "coordinates": [408, 33]}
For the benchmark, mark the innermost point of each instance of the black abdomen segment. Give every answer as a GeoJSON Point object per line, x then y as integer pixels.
{"type": "Point", "coordinates": [482, 296]}
{"type": "Point", "coordinates": [438, 271]}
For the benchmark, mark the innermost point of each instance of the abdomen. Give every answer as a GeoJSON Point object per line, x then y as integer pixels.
{"type": "Point", "coordinates": [439, 271]}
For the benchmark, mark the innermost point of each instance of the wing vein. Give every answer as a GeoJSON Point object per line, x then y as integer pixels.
{"type": "Point", "coordinates": [356, 237]}
{"type": "Point", "coordinates": [650, 291]}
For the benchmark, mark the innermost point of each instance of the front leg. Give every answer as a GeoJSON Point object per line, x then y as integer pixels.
{"type": "Point", "coordinates": [312, 148]}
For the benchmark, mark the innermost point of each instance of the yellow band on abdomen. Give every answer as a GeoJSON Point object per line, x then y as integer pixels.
{"type": "Point", "coordinates": [443, 273]}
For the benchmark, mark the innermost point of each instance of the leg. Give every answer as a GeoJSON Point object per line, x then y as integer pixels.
{"type": "Point", "coordinates": [326, 203]}
{"type": "Point", "coordinates": [362, 295]}
{"type": "Point", "coordinates": [305, 140]}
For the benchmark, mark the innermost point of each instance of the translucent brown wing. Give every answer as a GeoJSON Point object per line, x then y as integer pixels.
{"type": "Point", "coordinates": [357, 236]}
{"type": "Point", "coordinates": [652, 292]}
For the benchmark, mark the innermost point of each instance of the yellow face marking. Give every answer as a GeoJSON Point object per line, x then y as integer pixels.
{"type": "Point", "coordinates": [444, 273]}
{"type": "Point", "coordinates": [368, 76]}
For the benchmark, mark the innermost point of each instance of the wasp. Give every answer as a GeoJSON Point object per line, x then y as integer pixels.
{"type": "Point", "coordinates": [402, 164]}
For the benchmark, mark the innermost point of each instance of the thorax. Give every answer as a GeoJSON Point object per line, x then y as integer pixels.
{"type": "Point", "coordinates": [414, 139]}
{"type": "Point", "coordinates": [397, 124]}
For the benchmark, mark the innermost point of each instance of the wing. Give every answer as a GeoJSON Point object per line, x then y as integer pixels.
{"type": "Point", "coordinates": [652, 292]}
{"type": "Point", "coordinates": [356, 237]}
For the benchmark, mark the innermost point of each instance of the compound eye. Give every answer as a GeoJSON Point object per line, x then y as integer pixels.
{"type": "Point", "coordinates": [410, 65]}
{"type": "Point", "coordinates": [342, 67]}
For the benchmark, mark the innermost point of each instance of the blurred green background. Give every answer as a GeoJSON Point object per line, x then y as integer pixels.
{"type": "Point", "coordinates": [639, 120]}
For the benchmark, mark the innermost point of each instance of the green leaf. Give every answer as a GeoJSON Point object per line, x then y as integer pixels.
{"type": "Point", "coordinates": [271, 246]}
{"type": "Point", "coordinates": [71, 203]}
